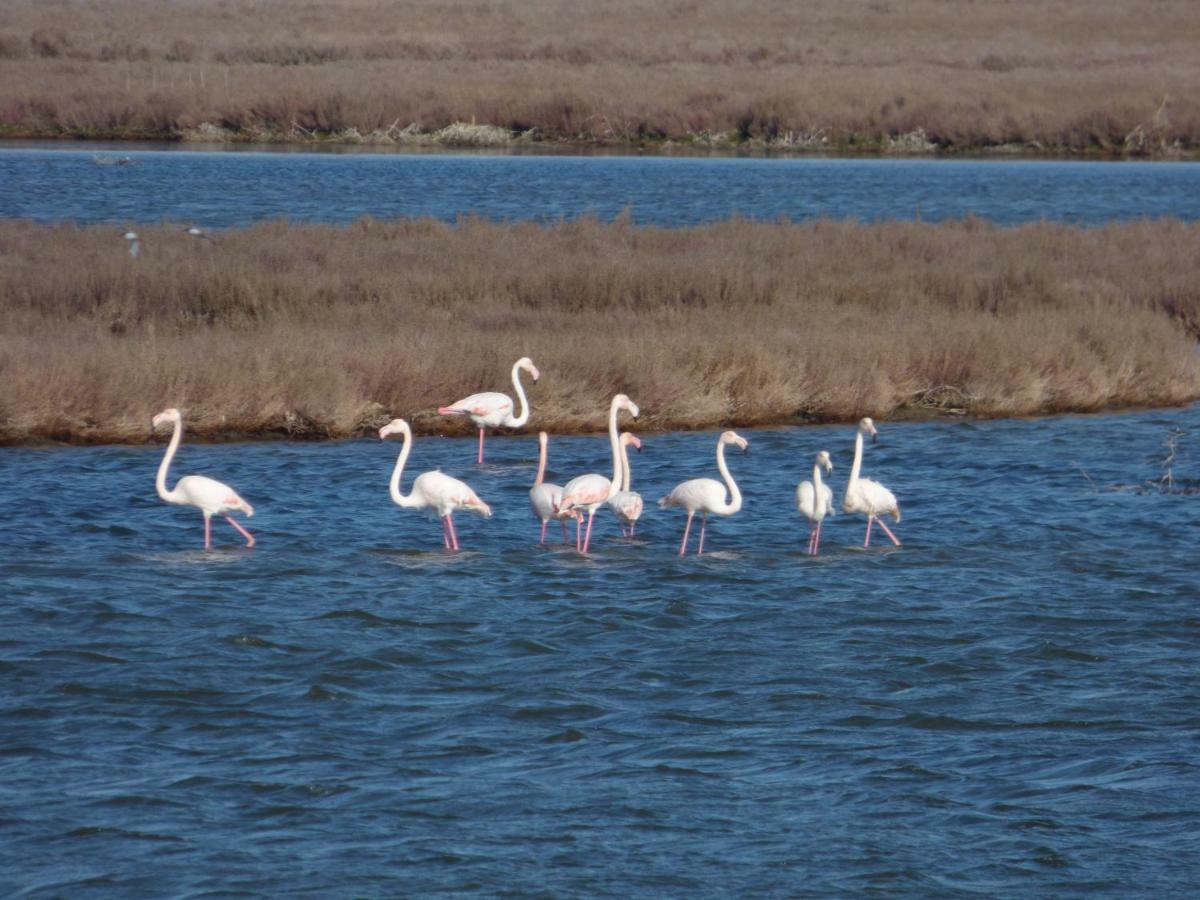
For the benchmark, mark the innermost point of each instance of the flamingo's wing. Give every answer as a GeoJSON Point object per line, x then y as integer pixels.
{"type": "Point", "coordinates": [804, 499]}
{"type": "Point", "coordinates": [879, 500]}
{"type": "Point", "coordinates": [699, 493]}
{"type": "Point", "coordinates": [489, 405]}
{"type": "Point", "coordinates": [544, 498]}
{"type": "Point", "coordinates": [447, 494]}
{"type": "Point", "coordinates": [211, 495]}
{"type": "Point", "coordinates": [827, 492]}
{"type": "Point", "coordinates": [584, 491]}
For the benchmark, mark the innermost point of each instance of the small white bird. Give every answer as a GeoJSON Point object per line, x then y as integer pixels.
{"type": "Point", "coordinates": [814, 499]}
{"type": "Point", "coordinates": [197, 232]}
{"type": "Point", "coordinates": [492, 409]}
{"type": "Point", "coordinates": [627, 504]}
{"type": "Point", "coordinates": [135, 244]}
{"type": "Point", "coordinates": [431, 490]}
{"type": "Point", "coordinates": [869, 497]}
{"type": "Point", "coordinates": [707, 495]}
{"type": "Point", "coordinates": [210, 496]}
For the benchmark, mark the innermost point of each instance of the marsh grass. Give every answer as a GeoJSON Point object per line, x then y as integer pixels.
{"type": "Point", "coordinates": [1099, 76]}
{"type": "Point", "coordinates": [309, 330]}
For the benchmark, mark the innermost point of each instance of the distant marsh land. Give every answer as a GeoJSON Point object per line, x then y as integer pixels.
{"type": "Point", "coordinates": [1102, 77]}
{"type": "Point", "coordinates": [326, 331]}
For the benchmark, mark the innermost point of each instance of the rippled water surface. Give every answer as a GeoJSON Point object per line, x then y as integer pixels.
{"type": "Point", "coordinates": [219, 189]}
{"type": "Point", "coordinates": [1008, 704]}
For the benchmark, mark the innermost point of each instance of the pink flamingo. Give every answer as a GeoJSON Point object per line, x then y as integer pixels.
{"type": "Point", "coordinates": [814, 499]}
{"type": "Point", "coordinates": [588, 492]}
{"type": "Point", "coordinates": [866, 496]}
{"type": "Point", "coordinates": [492, 409]}
{"type": "Point", "coordinates": [707, 495]}
{"type": "Point", "coordinates": [545, 497]}
{"type": "Point", "coordinates": [431, 490]}
{"type": "Point", "coordinates": [625, 503]}
{"type": "Point", "coordinates": [209, 495]}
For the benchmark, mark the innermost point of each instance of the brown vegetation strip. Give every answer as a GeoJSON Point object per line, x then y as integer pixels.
{"type": "Point", "coordinates": [328, 331]}
{"type": "Point", "coordinates": [1107, 76]}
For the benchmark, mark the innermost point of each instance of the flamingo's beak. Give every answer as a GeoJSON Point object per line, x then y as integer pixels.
{"type": "Point", "coordinates": [535, 373]}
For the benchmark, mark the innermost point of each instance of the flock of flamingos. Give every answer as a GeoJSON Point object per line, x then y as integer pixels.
{"type": "Point", "coordinates": [444, 495]}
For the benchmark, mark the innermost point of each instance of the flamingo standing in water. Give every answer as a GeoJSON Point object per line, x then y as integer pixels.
{"type": "Point", "coordinates": [545, 497]}
{"type": "Point", "coordinates": [814, 499]}
{"type": "Point", "coordinates": [866, 496]}
{"type": "Point", "coordinates": [209, 495]}
{"type": "Point", "coordinates": [492, 409]}
{"type": "Point", "coordinates": [707, 495]}
{"type": "Point", "coordinates": [431, 490]}
{"type": "Point", "coordinates": [625, 503]}
{"type": "Point", "coordinates": [588, 492]}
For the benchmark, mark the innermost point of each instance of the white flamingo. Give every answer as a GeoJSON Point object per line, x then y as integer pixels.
{"type": "Point", "coordinates": [545, 497]}
{"type": "Point", "coordinates": [431, 490]}
{"type": "Point", "coordinates": [588, 492]}
{"type": "Point", "coordinates": [627, 504]}
{"type": "Point", "coordinates": [814, 499]}
{"type": "Point", "coordinates": [707, 495]}
{"type": "Point", "coordinates": [135, 243]}
{"type": "Point", "coordinates": [492, 409]}
{"type": "Point", "coordinates": [865, 496]}
{"type": "Point", "coordinates": [209, 495]}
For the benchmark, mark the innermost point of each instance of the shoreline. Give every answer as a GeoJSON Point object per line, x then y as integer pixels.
{"type": "Point", "coordinates": [460, 137]}
{"type": "Point", "coordinates": [902, 415]}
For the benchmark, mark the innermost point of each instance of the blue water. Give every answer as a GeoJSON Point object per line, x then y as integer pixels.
{"type": "Point", "coordinates": [1007, 705]}
{"type": "Point", "coordinates": [220, 189]}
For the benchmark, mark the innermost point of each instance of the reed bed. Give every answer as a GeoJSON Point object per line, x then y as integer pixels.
{"type": "Point", "coordinates": [1096, 76]}
{"type": "Point", "coordinates": [324, 331]}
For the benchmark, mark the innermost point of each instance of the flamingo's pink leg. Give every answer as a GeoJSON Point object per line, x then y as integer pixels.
{"type": "Point", "coordinates": [543, 538]}
{"type": "Point", "coordinates": [812, 535]}
{"type": "Point", "coordinates": [481, 445]}
{"type": "Point", "coordinates": [445, 534]}
{"type": "Point", "coordinates": [587, 538]}
{"type": "Point", "coordinates": [888, 531]}
{"type": "Point", "coordinates": [207, 533]}
{"type": "Point", "coordinates": [686, 529]}
{"type": "Point", "coordinates": [247, 535]}
{"type": "Point", "coordinates": [817, 539]}
{"type": "Point", "coordinates": [453, 533]}
{"type": "Point", "coordinates": [579, 533]}
{"type": "Point", "coordinates": [870, 522]}
{"type": "Point", "coordinates": [703, 525]}
{"type": "Point", "coordinates": [632, 525]}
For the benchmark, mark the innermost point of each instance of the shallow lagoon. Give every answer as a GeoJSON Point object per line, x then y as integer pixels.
{"type": "Point", "coordinates": [1007, 703]}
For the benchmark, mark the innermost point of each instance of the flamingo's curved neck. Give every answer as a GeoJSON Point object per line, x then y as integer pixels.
{"type": "Point", "coordinates": [615, 440]}
{"type": "Point", "coordinates": [524, 416]}
{"type": "Point", "coordinates": [854, 469]}
{"type": "Point", "coordinates": [541, 472]}
{"type": "Point", "coordinates": [160, 483]}
{"type": "Point", "coordinates": [818, 494]}
{"type": "Point", "coordinates": [735, 496]}
{"type": "Point", "coordinates": [626, 474]}
{"type": "Point", "coordinates": [394, 485]}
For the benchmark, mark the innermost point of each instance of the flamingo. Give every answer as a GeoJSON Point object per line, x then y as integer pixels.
{"type": "Point", "coordinates": [590, 491]}
{"type": "Point", "coordinates": [814, 499]}
{"type": "Point", "coordinates": [135, 243]}
{"type": "Point", "coordinates": [431, 490]}
{"type": "Point", "coordinates": [492, 409]}
{"type": "Point", "coordinates": [209, 495]}
{"type": "Point", "coordinates": [545, 497]}
{"type": "Point", "coordinates": [866, 496]}
{"type": "Point", "coordinates": [707, 495]}
{"type": "Point", "coordinates": [626, 504]}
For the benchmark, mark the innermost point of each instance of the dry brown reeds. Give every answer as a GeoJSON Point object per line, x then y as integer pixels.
{"type": "Point", "coordinates": [328, 331]}
{"type": "Point", "coordinates": [1102, 76]}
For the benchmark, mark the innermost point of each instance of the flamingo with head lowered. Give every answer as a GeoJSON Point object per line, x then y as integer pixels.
{"type": "Point", "coordinates": [869, 497]}
{"type": "Point", "coordinates": [627, 504]}
{"type": "Point", "coordinates": [814, 499]}
{"type": "Point", "coordinates": [492, 409]}
{"type": "Point", "coordinates": [707, 495]}
{"type": "Point", "coordinates": [209, 495]}
{"type": "Point", "coordinates": [431, 490]}
{"type": "Point", "coordinates": [589, 492]}
{"type": "Point", "coordinates": [545, 497]}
